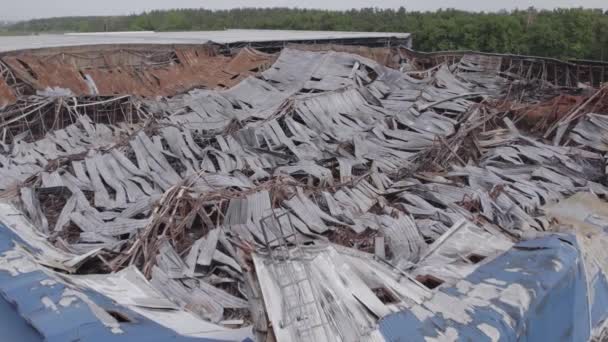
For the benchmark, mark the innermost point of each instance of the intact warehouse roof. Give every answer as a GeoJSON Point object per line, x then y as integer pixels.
{"type": "Point", "coordinates": [319, 192]}
{"type": "Point", "coordinates": [12, 43]}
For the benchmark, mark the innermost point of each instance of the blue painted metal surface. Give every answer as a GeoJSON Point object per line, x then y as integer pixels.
{"type": "Point", "coordinates": [552, 272]}
{"type": "Point", "coordinates": [25, 318]}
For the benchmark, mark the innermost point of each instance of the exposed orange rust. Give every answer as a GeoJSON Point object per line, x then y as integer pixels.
{"type": "Point", "coordinates": [539, 115]}
{"type": "Point", "coordinates": [7, 96]}
{"type": "Point", "coordinates": [121, 72]}
{"type": "Point", "coordinates": [248, 60]}
{"type": "Point", "coordinates": [42, 74]}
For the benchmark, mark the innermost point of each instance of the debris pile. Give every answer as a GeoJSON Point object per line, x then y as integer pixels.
{"type": "Point", "coordinates": [313, 198]}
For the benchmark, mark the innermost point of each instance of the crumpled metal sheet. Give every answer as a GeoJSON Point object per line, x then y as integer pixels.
{"type": "Point", "coordinates": [42, 74]}
{"type": "Point", "coordinates": [43, 306]}
{"type": "Point", "coordinates": [385, 56]}
{"type": "Point", "coordinates": [195, 67]}
{"type": "Point", "coordinates": [325, 135]}
{"type": "Point", "coordinates": [7, 96]}
{"type": "Point", "coordinates": [536, 291]}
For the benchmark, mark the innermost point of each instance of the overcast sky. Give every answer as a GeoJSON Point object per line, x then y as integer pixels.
{"type": "Point", "coordinates": [26, 9]}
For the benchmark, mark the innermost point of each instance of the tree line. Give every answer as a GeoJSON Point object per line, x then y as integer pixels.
{"type": "Point", "coordinates": [561, 33]}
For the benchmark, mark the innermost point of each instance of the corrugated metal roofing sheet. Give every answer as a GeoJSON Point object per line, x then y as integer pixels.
{"type": "Point", "coordinates": [9, 43]}
{"type": "Point", "coordinates": [327, 142]}
{"type": "Point", "coordinates": [536, 291]}
{"type": "Point", "coordinates": [36, 306]}
{"type": "Point", "coordinates": [194, 67]}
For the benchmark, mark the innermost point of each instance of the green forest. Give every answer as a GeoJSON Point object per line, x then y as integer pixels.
{"type": "Point", "coordinates": [561, 33]}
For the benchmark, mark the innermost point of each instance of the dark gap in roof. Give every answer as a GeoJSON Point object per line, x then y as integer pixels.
{"type": "Point", "coordinates": [176, 164]}
{"type": "Point", "coordinates": [475, 258]}
{"type": "Point", "coordinates": [385, 295]}
{"type": "Point", "coordinates": [429, 281]}
{"type": "Point", "coordinates": [119, 316]}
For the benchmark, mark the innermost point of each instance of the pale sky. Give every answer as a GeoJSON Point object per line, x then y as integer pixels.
{"type": "Point", "coordinates": [26, 9]}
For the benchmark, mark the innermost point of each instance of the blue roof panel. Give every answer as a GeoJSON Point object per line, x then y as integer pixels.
{"type": "Point", "coordinates": [28, 305]}
{"type": "Point", "coordinates": [551, 272]}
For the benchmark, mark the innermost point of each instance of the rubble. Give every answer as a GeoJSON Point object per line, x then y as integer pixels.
{"type": "Point", "coordinates": [313, 194]}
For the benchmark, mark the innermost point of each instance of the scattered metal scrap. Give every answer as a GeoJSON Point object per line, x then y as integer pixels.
{"type": "Point", "coordinates": [329, 197]}
{"type": "Point", "coordinates": [554, 71]}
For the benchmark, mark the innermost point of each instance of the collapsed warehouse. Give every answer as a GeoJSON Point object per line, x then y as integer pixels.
{"type": "Point", "coordinates": [316, 192]}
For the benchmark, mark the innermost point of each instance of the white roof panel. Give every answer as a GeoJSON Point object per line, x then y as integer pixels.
{"type": "Point", "coordinates": [13, 43]}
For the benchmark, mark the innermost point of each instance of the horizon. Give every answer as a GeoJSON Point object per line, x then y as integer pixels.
{"type": "Point", "coordinates": [14, 11]}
